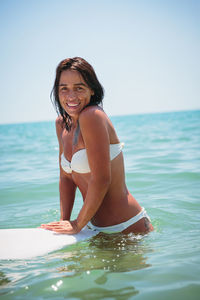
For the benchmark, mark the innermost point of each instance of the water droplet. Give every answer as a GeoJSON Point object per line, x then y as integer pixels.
{"type": "Point", "coordinates": [59, 283]}
{"type": "Point", "coordinates": [54, 287]}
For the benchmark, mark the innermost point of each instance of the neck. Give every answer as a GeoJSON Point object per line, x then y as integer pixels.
{"type": "Point", "coordinates": [74, 121]}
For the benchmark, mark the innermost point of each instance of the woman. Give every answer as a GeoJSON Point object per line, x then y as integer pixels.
{"type": "Point", "coordinates": [90, 156]}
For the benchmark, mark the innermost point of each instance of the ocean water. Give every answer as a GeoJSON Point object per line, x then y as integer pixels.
{"type": "Point", "coordinates": [162, 160]}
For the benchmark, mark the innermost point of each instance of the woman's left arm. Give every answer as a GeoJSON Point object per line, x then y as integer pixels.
{"type": "Point", "coordinates": [94, 129]}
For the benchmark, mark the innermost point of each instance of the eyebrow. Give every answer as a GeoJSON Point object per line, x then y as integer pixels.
{"type": "Point", "coordinates": [76, 84]}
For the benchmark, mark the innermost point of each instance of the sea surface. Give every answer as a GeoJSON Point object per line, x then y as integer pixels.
{"type": "Point", "coordinates": [162, 160]}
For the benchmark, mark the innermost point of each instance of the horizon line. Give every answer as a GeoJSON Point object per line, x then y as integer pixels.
{"type": "Point", "coordinates": [110, 116]}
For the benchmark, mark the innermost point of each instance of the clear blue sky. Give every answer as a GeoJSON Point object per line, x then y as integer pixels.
{"type": "Point", "coordinates": [145, 53]}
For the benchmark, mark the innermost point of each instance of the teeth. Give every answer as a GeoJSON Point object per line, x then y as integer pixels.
{"type": "Point", "coordinates": [72, 105]}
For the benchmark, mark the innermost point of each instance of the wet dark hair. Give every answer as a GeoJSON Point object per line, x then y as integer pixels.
{"type": "Point", "coordinates": [89, 76]}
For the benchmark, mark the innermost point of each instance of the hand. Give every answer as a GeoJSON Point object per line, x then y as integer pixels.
{"type": "Point", "coordinates": [67, 227]}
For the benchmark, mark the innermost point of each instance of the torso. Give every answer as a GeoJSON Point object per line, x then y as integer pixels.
{"type": "Point", "coordinates": [118, 204]}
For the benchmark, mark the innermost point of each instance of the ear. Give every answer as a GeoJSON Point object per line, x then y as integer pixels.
{"type": "Point", "coordinates": [92, 92]}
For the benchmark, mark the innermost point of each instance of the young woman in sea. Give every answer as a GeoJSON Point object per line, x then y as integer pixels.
{"type": "Point", "coordinates": [90, 158]}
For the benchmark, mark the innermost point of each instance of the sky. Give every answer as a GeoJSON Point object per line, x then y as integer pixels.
{"type": "Point", "coordinates": [145, 53]}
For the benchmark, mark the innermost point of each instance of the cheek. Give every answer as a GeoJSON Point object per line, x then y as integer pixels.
{"type": "Point", "coordinates": [60, 97]}
{"type": "Point", "coordinates": [89, 95]}
{"type": "Point", "coordinates": [86, 97]}
{"type": "Point", "coordinates": [62, 102]}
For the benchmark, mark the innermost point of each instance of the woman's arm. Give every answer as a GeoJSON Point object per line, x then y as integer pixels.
{"type": "Point", "coordinates": [94, 129]}
{"type": "Point", "coordinates": [67, 191]}
{"type": "Point", "coordinates": [67, 188]}
{"type": "Point", "coordinates": [93, 126]}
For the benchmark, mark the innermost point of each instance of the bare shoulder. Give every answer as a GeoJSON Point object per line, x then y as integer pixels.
{"type": "Point", "coordinates": [59, 123]}
{"type": "Point", "coordinates": [94, 126]}
{"type": "Point", "coordinates": [94, 114]}
{"type": "Point", "coordinates": [59, 126]}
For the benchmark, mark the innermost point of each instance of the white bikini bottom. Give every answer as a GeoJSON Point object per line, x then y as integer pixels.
{"type": "Point", "coordinates": [122, 226]}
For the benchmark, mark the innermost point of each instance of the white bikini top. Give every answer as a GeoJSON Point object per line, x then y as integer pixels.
{"type": "Point", "coordinates": [79, 162]}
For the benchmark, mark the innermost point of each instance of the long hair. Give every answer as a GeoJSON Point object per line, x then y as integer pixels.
{"type": "Point", "coordinates": [89, 76]}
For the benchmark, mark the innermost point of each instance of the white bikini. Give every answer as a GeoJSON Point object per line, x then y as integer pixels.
{"type": "Point", "coordinates": [122, 226]}
{"type": "Point", "coordinates": [79, 164]}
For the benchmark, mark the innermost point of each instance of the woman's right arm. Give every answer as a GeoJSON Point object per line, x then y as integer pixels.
{"type": "Point", "coordinates": [67, 195]}
{"type": "Point", "coordinates": [67, 188]}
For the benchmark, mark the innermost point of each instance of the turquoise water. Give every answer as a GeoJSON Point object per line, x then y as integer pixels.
{"type": "Point", "coordinates": [162, 159]}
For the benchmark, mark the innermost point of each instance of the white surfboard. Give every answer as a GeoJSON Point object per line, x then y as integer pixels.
{"type": "Point", "coordinates": [26, 243]}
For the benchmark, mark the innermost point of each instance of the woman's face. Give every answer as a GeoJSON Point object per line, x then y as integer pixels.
{"type": "Point", "coordinates": [74, 93]}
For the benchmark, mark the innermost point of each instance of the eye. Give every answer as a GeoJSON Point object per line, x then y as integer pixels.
{"type": "Point", "coordinates": [63, 89]}
{"type": "Point", "coordinates": [79, 89]}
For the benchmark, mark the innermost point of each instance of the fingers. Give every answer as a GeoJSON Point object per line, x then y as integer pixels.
{"type": "Point", "coordinates": [50, 226]}
{"type": "Point", "coordinates": [59, 229]}
{"type": "Point", "coordinates": [63, 227]}
{"type": "Point", "coordinates": [54, 224]}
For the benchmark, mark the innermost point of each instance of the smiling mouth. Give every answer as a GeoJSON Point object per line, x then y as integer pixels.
{"type": "Point", "coordinates": [72, 105]}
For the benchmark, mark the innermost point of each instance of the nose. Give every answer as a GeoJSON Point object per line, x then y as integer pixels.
{"type": "Point", "coordinates": [71, 95]}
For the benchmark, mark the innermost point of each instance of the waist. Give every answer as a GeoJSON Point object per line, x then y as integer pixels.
{"type": "Point", "coordinates": [121, 226]}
